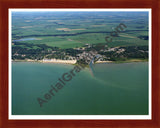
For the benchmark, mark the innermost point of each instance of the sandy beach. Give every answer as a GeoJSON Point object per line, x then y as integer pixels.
{"type": "Point", "coordinates": [97, 62]}
{"type": "Point", "coordinates": [48, 61]}
{"type": "Point", "coordinates": [59, 61]}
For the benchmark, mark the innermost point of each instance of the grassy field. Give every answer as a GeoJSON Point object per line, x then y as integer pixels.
{"type": "Point", "coordinates": [75, 29]}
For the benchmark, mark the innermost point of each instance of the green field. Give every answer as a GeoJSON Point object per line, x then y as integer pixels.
{"type": "Point", "coordinates": [75, 29]}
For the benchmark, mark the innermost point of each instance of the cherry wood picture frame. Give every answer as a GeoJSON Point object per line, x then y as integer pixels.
{"type": "Point", "coordinates": [105, 4]}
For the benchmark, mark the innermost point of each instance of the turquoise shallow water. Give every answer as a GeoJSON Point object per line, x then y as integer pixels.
{"type": "Point", "coordinates": [114, 89]}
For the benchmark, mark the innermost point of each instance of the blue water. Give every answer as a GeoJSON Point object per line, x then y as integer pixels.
{"type": "Point", "coordinates": [25, 39]}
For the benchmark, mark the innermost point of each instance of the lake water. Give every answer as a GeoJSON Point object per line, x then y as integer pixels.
{"type": "Point", "coordinates": [25, 39]}
{"type": "Point", "coordinates": [113, 89]}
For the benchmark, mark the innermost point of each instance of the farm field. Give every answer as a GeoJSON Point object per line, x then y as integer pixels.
{"type": "Point", "coordinates": [75, 29]}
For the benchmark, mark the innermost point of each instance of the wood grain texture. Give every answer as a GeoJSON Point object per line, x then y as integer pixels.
{"type": "Point", "coordinates": [6, 4]}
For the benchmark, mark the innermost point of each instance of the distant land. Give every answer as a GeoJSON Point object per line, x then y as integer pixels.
{"type": "Point", "coordinates": [41, 36]}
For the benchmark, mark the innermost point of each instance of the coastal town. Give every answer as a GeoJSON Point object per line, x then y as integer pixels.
{"type": "Point", "coordinates": [83, 55]}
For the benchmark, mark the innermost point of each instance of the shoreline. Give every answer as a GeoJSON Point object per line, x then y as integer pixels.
{"type": "Point", "coordinates": [73, 62]}
{"type": "Point", "coordinates": [58, 61]}
{"type": "Point", "coordinates": [99, 62]}
{"type": "Point", "coordinates": [131, 61]}
{"type": "Point", "coordinates": [48, 61]}
{"type": "Point", "coordinates": [125, 61]}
